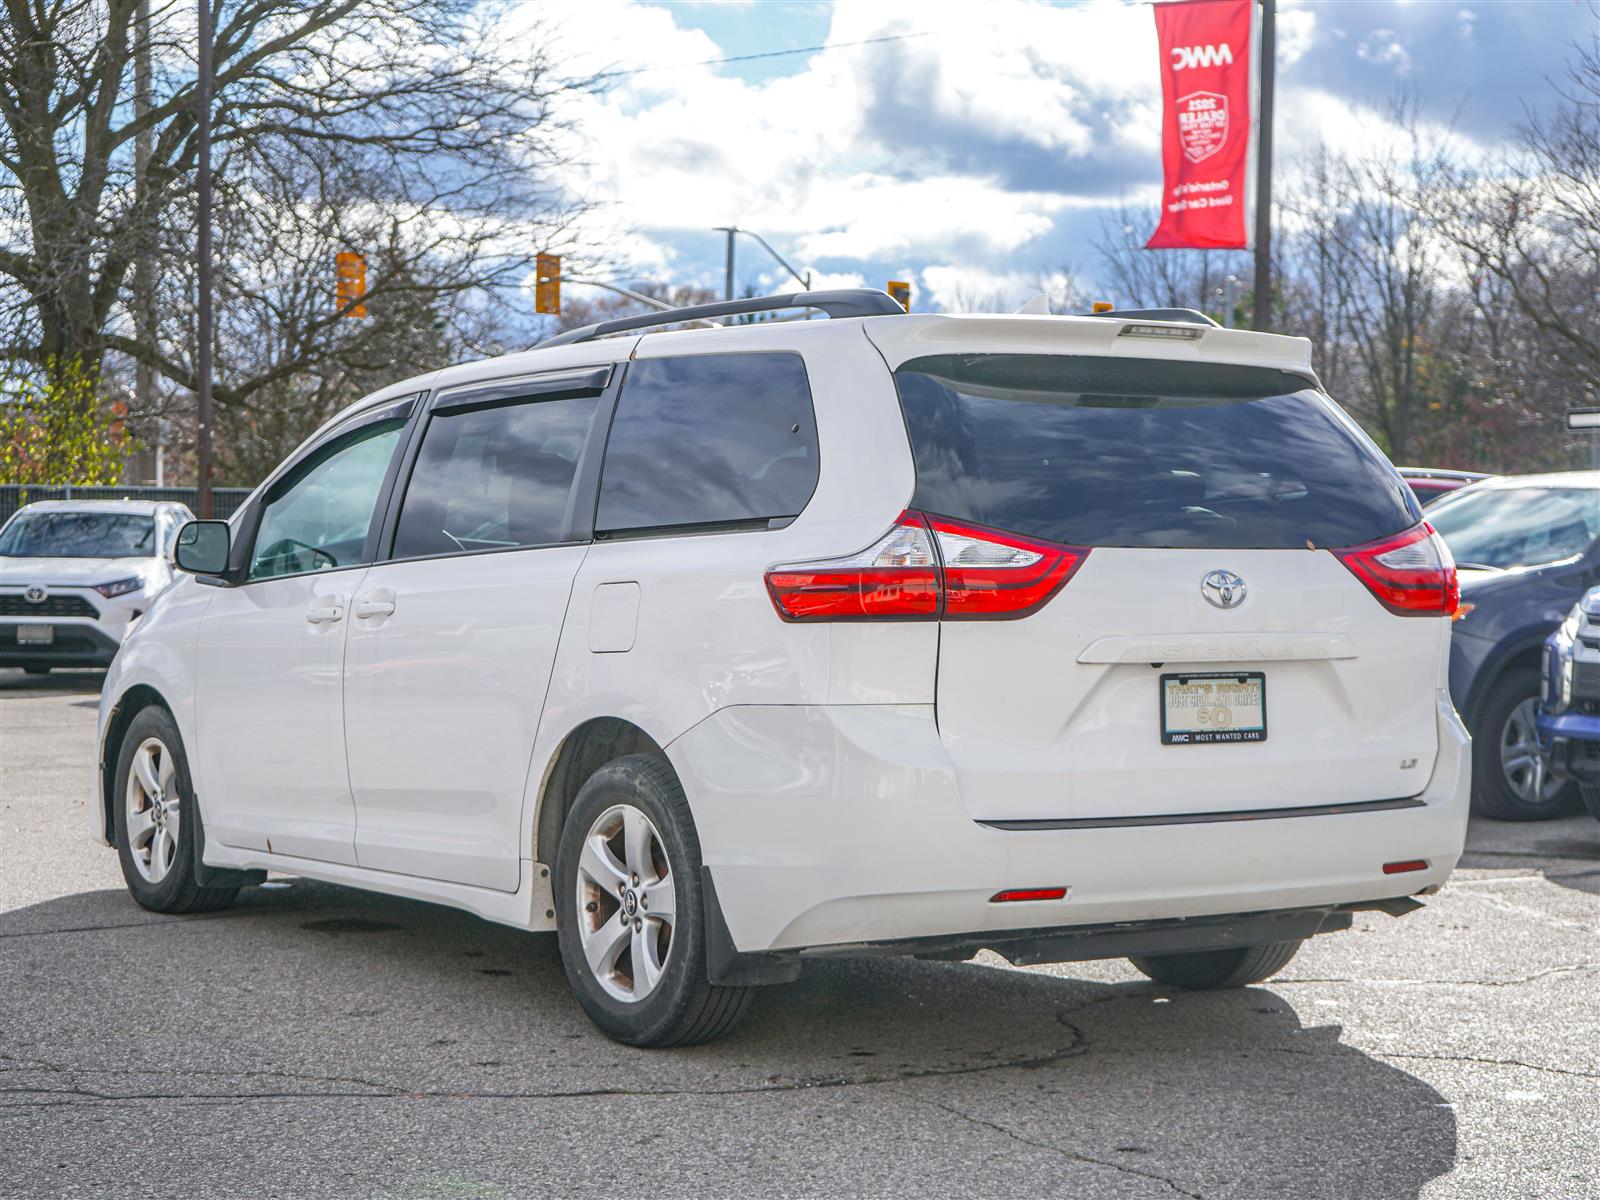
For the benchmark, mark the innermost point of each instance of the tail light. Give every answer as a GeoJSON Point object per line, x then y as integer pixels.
{"type": "Point", "coordinates": [1410, 573]}
{"type": "Point", "coordinates": [927, 568]}
{"type": "Point", "coordinates": [895, 578]}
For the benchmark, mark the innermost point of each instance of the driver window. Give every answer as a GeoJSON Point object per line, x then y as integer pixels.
{"type": "Point", "coordinates": [319, 515]}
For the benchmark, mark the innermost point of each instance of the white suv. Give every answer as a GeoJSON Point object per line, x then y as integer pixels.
{"type": "Point", "coordinates": [75, 575]}
{"type": "Point", "coordinates": [718, 649]}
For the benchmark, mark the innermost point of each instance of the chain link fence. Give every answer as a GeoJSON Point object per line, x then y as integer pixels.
{"type": "Point", "coordinates": [14, 495]}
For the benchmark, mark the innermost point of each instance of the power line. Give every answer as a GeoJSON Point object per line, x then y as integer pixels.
{"type": "Point", "coordinates": [739, 58]}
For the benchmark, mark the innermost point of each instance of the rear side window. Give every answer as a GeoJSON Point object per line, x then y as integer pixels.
{"type": "Point", "coordinates": [709, 440]}
{"type": "Point", "coordinates": [494, 477]}
{"type": "Point", "coordinates": [1130, 452]}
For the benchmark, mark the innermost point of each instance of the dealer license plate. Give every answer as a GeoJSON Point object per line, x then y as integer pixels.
{"type": "Point", "coordinates": [1213, 706]}
{"type": "Point", "coordinates": [35, 635]}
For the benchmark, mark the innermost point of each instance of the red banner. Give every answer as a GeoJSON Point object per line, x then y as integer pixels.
{"type": "Point", "coordinates": [1206, 58]}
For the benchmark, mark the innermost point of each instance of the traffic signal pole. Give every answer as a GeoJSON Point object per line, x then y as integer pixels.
{"type": "Point", "coordinates": [202, 363]}
{"type": "Point", "coordinates": [1261, 317]}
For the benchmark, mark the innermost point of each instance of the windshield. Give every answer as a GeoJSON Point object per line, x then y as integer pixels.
{"type": "Point", "coordinates": [1517, 527]}
{"type": "Point", "coordinates": [78, 535]}
{"type": "Point", "coordinates": [1143, 453]}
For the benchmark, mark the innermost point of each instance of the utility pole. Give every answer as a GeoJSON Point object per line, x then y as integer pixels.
{"type": "Point", "coordinates": [144, 297]}
{"type": "Point", "coordinates": [1262, 315]}
{"type": "Point", "coordinates": [202, 366]}
{"type": "Point", "coordinates": [727, 280]}
{"type": "Point", "coordinates": [733, 231]}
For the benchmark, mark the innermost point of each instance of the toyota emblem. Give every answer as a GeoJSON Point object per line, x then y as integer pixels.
{"type": "Point", "coordinates": [1223, 589]}
{"type": "Point", "coordinates": [36, 594]}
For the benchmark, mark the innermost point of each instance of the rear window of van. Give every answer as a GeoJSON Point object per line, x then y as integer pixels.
{"type": "Point", "coordinates": [1132, 452]}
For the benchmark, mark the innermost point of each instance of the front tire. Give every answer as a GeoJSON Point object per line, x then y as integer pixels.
{"type": "Point", "coordinates": [629, 910]}
{"type": "Point", "coordinates": [1211, 970]}
{"type": "Point", "coordinates": [36, 670]}
{"type": "Point", "coordinates": [1591, 799]}
{"type": "Point", "coordinates": [155, 831]}
{"type": "Point", "coordinates": [1511, 779]}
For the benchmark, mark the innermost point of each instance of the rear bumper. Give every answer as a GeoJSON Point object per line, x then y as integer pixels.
{"type": "Point", "coordinates": [843, 826]}
{"type": "Point", "coordinates": [78, 643]}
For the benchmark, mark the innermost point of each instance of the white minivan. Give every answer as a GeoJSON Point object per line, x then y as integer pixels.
{"type": "Point", "coordinates": [718, 649]}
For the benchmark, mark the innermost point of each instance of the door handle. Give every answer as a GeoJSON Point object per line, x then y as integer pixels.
{"type": "Point", "coordinates": [373, 607]}
{"type": "Point", "coordinates": [326, 614]}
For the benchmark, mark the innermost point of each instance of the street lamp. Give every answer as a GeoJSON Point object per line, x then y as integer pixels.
{"type": "Point", "coordinates": [733, 231]}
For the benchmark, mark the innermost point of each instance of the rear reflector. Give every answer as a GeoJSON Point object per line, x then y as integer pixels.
{"type": "Point", "coordinates": [1400, 868]}
{"type": "Point", "coordinates": [1411, 573]}
{"type": "Point", "coordinates": [927, 568]}
{"type": "Point", "coordinates": [1044, 893]}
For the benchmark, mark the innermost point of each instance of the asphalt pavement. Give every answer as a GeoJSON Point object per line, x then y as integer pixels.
{"type": "Point", "coordinates": [317, 1041]}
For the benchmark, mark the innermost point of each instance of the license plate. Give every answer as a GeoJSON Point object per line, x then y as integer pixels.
{"type": "Point", "coordinates": [1213, 706]}
{"type": "Point", "coordinates": [35, 635]}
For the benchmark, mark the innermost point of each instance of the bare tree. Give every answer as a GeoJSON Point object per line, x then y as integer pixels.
{"type": "Point", "coordinates": [1530, 219]}
{"type": "Point", "coordinates": [1143, 278]}
{"type": "Point", "coordinates": [406, 130]}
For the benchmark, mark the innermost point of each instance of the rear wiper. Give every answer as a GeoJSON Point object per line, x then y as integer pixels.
{"type": "Point", "coordinates": [1472, 566]}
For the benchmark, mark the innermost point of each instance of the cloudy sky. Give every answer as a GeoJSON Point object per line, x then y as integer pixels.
{"type": "Point", "coordinates": [971, 147]}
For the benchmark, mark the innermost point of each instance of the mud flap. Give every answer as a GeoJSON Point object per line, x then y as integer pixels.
{"type": "Point", "coordinates": [725, 964]}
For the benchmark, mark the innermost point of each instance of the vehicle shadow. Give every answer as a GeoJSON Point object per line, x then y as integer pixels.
{"type": "Point", "coordinates": [304, 991]}
{"type": "Point", "coordinates": [1565, 851]}
{"type": "Point", "coordinates": [15, 681]}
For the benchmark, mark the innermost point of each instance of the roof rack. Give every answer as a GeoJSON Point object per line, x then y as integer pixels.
{"type": "Point", "coordinates": [841, 302]}
{"type": "Point", "coordinates": [1182, 316]}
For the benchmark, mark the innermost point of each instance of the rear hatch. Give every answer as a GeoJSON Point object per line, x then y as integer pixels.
{"type": "Point", "coordinates": [1216, 646]}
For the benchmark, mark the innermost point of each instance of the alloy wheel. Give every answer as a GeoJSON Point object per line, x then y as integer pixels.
{"type": "Point", "coordinates": [626, 904]}
{"type": "Point", "coordinates": [153, 804]}
{"type": "Point", "coordinates": [1521, 761]}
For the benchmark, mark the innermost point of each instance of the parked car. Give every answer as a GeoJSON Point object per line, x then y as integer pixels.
{"type": "Point", "coordinates": [718, 649]}
{"type": "Point", "coordinates": [1432, 483]}
{"type": "Point", "coordinates": [74, 576]}
{"type": "Point", "coordinates": [1569, 716]}
{"type": "Point", "coordinates": [1527, 547]}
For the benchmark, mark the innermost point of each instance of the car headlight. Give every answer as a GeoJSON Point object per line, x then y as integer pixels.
{"type": "Point", "coordinates": [1558, 686]}
{"type": "Point", "coordinates": [119, 587]}
{"type": "Point", "coordinates": [1567, 631]}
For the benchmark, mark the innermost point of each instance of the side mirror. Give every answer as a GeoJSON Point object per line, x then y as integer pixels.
{"type": "Point", "coordinates": [202, 548]}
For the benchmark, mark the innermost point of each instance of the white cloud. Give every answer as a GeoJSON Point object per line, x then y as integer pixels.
{"type": "Point", "coordinates": [971, 143]}
{"type": "Point", "coordinates": [1382, 48]}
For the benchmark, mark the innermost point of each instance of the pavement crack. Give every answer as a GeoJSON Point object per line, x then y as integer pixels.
{"type": "Point", "coordinates": [1548, 972]}
{"type": "Point", "coordinates": [385, 1091]}
{"type": "Point", "coordinates": [1076, 1156]}
{"type": "Point", "coordinates": [1488, 1062]}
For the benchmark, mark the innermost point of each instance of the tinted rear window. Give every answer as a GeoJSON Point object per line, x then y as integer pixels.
{"type": "Point", "coordinates": [1130, 452]}
{"type": "Point", "coordinates": [709, 439]}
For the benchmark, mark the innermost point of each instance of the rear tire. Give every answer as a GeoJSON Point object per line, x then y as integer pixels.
{"type": "Point", "coordinates": [1510, 777]}
{"type": "Point", "coordinates": [1591, 799]}
{"type": "Point", "coordinates": [154, 797]}
{"type": "Point", "coordinates": [629, 846]}
{"type": "Point", "coordinates": [1211, 970]}
{"type": "Point", "coordinates": [36, 670]}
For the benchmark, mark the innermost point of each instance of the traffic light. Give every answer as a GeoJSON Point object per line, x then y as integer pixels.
{"type": "Point", "coordinates": [900, 292]}
{"type": "Point", "coordinates": [547, 284]}
{"type": "Point", "coordinates": [350, 273]}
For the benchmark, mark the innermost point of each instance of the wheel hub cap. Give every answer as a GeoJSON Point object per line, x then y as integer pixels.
{"type": "Point", "coordinates": [152, 810]}
{"type": "Point", "coordinates": [626, 905]}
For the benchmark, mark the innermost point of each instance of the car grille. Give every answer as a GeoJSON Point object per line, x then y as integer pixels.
{"type": "Point", "coordinates": [50, 606]}
{"type": "Point", "coordinates": [1586, 681]}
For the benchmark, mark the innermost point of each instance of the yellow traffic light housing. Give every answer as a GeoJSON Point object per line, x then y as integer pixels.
{"type": "Point", "coordinates": [900, 292]}
{"type": "Point", "coordinates": [350, 283]}
{"type": "Point", "coordinates": [547, 284]}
